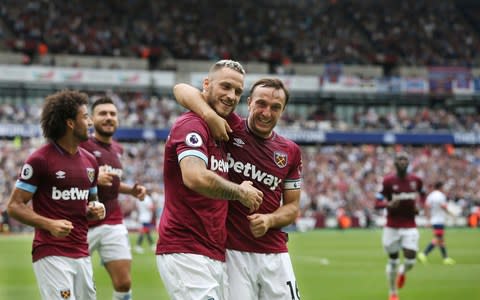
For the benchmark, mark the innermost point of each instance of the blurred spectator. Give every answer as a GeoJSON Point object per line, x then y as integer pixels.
{"type": "Point", "coordinates": [411, 32]}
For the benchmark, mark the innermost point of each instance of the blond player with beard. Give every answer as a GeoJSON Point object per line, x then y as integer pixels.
{"type": "Point", "coordinates": [192, 230]}
{"type": "Point", "coordinates": [258, 262]}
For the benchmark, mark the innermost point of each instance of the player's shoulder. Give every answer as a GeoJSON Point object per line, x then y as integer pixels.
{"type": "Point", "coordinates": [87, 154]}
{"type": "Point", "coordinates": [188, 122]}
{"type": "Point", "coordinates": [287, 143]}
{"type": "Point", "coordinates": [235, 121]}
{"type": "Point", "coordinates": [117, 146]}
{"type": "Point", "coordinates": [413, 176]}
{"type": "Point", "coordinates": [42, 153]}
{"type": "Point", "coordinates": [188, 117]}
{"type": "Point", "coordinates": [390, 177]}
{"type": "Point", "coordinates": [88, 144]}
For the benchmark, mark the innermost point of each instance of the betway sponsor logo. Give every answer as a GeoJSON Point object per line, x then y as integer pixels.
{"type": "Point", "coordinates": [110, 169]}
{"type": "Point", "coordinates": [405, 196]}
{"type": "Point", "coordinates": [250, 171]}
{"type": "Point", "coordinates": [216, 164]}
{"type": "Point", "coordinates": [73, 193]}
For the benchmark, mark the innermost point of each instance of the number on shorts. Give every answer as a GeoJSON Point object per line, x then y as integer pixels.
{"type": "Point", "coordinates": [295, 294]}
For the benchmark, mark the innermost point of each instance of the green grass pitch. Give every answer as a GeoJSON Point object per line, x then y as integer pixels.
{"type": "Point", "coordinates": [329, 264]}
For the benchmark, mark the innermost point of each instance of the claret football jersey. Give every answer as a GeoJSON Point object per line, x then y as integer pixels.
{"type": "Point", "coordinates": [61, 184]}
{"type": "Point", "coordinates": [273, 165]}
{"type": "Point", "coordinates": [407, 191]}
{"type": "Point", "coordinates": [108, 157]}
{"type": "Point", "coordinates": [190, 222]}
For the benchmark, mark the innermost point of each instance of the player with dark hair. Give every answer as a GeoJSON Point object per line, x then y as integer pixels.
{"type": "Point", "coordinates": [192, 230]}
{"type": "Point", "coordinates": [436, 209]}
{"type": "Point", "coordinates": [110, 236]}
{"type": "Point", "coordinates": [258, 263]}
{"type": "Point", "coordinates": [399, 195]}
{"type": "Point", "coordinates": [61, 180]}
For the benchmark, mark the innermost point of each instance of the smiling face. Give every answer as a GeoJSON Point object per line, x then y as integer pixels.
{"type": "Point", "coordinates": [223, 89]}
{"type": "Point", "coordinates": [265, 106]}
{"type": "Point", "coordinates": [105, 120]}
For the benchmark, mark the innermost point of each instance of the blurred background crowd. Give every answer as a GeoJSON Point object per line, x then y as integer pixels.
{"type": "Point", "coordinates": [337, 177]}
{"type": "Point", "coordinates": [410, 32]}
{"type": "Point", "coordinates": [139, 109]}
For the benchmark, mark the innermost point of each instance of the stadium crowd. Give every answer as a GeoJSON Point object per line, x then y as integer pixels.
{"type": "Point", "coordinates": [413, 32]}
{"type": "Point", "coordinates": [335, 176]}
{"type": "Point", "coordinates": [140, 110]}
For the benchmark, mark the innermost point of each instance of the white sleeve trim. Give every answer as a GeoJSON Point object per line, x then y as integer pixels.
{"type": "Point", "coordinates": [196, 153]}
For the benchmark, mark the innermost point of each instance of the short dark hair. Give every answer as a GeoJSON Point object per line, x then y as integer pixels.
{"type": "Point", "coordinates": [438, 185]}
{"type": "Point", "coordinates": [272, 83]}
{"type": "Point", "coordinates": [57, 109]}
{"type": "Point", "coordinates": [102, 100]}
{"type": "Point", "coordinates": [401, 154]}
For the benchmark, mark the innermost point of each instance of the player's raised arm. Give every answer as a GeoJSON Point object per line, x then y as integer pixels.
{"type": "Point", "coordinates": [191, 98]}
{"type": "Point", "coordinates": [198, 178]}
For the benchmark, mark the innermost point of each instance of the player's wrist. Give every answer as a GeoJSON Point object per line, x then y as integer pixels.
{"type": "Point", "coordinates": [207, 115]}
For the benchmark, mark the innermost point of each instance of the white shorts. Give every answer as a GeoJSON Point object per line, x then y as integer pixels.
{"type": "Point", "coordinates": [254, 276]}
{"type": "Point", "coordinates": [111, 241]}
{"type": "Point", "coordinates": [192, 276]}
{"type": "Point", "coordinates": [60, 277]}
{"type": "Point", "coordinates": [395, 239]}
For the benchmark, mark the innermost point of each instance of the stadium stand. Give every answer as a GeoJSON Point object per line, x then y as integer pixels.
{"type": "Point", "coordinates": [409, 67]}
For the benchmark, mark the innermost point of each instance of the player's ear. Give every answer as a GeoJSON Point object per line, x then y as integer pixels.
{"type": "Point", "coordinates": [70, 123]}
{"type": "Point", "coordinates": [205, 84]}
{"type": "Point", "coordinates": [249, 101]}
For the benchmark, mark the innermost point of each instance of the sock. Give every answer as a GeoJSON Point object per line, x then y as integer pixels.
{"type": "Point", "coordinates": [429, 248]}
{"type": "Point", "coordinates": [408, 264]}
{"type": "Point", "coordinates": [122, 295]}
{"type": "Point", "coordinates": [444, 251]}
{"type": "Point", "coordinates": [391, 270]}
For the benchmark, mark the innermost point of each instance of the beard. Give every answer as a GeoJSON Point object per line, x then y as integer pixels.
{"type": "Point", "coordinates": [101, 132]}
{"type": "Point", "coordinates": [81, 135]}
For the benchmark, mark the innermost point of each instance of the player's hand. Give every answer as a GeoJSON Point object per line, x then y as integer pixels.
{"type": "Point", "coordinates": [105, 178]}
{"type": "Point", "coordinates": [393, 204]}
{"type": "Point", "coordinates": [219, 127]}
{"type": "Point", "coordinates": [251, 197]}
{"type": "Point", "coordinates": [139, 191]}
{"type": "Point", "coordinates": [60, 228]}
{"type": "Point", "coordinates": [95, 210]}
{"type": "Point", "coordinates": [259, 224]}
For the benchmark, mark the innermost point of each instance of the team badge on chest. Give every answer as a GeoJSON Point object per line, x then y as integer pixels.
{"type": "Point", "coordinates": [280, 159]}
{"type": "Point", "coordinates": [91, 174]}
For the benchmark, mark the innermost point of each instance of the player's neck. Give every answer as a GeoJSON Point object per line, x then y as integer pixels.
{"type": "Point", "coordinates": [103, 138]}
{"type": "Point", "coordinates": [68, 144]}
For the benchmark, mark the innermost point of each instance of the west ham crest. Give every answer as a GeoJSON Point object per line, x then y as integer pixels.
{"type": "Point", "coordinates": [91, 174]}
{"type": "Point", "coordinates": [280, 159]}
{"type": "Point", "coordinates": [65, 294]}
